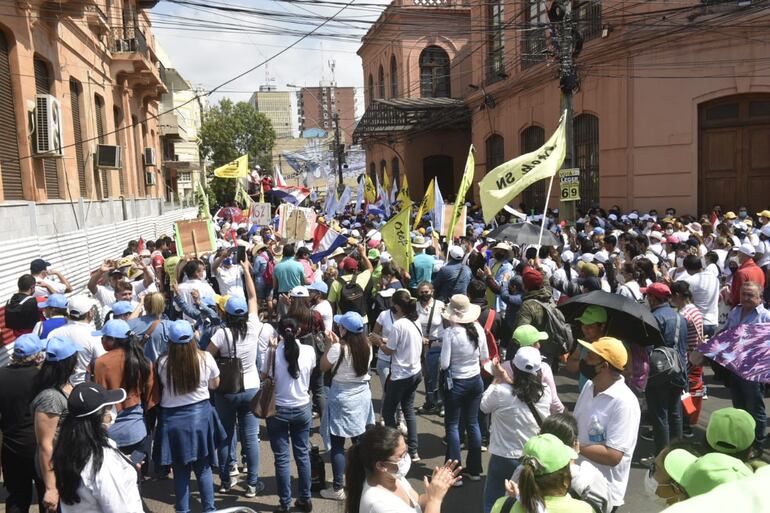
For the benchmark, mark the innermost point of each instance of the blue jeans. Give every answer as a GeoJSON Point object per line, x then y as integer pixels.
{"type": "Point", "coordinates": [231, 407]}
{"type": "Point", "coordinates": [664, 407]}
{"type": "Point", "coordinates": [432, 361]}
{"type": "Point", "coordinates": [464, 399]}
{"type": "Point", "coordinates": [749, 396]}
{"type": "Point", "coordinates": [338, 459]}
{"type": "Point", "coordinates": [205, 479]}
{"type": "Point", "coordinates": [498, 471]}
{"type": "Point", "coordinates": [401, 391]}
{"type": "Point", "coordinates": [294, 423]}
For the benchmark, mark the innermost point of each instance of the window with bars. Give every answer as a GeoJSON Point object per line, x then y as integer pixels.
{"type": "Point", "coordinates": [383, 165]}
{"type": "Point", "coordinates": [370, 89]}
{"type": "Point", "coordinates": [495, 151]}
{"type": "Point", "coordinates": [534, 42]}
{"type": "Point", "coordinates": [393, 77]}
{"type": "Point", "coordinates": [434, 73]}
{"type": "Point", "coordinates": [495, 41]}
{"type": "Point", "coordinates": [50, 168]}
{"type": "Point", "coordinates": [9, 143]}
{"type": "Point", "coordinates": [532, 138]}
{"type": "Point", "coordinates": [395, 169]}
{"type": "Point", "coordinates": [381, 82]}
{"type": "Point", "coordinates": [586, 144]}
{"type": "Point", "coordinates": [76, 91]}
{"type": "Point", "coordinates": [117, 116]}
{"type": "Point", "coordinates": [588, 16]}
{"type": "Point", "coordinates": [99, 114]}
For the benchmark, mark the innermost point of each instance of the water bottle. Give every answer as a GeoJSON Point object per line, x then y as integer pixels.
{"type": "Point", "coordinates": [317, 470]}
{"type": "Point", "coordinates": [596, 431]}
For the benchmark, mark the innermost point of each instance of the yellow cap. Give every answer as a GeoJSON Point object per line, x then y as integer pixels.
{"type": "Point", "coordinates": [609, 349]}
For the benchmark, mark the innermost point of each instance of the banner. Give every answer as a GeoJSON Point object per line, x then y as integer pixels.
{"type": "Point", "coordinates": [235, 169]}
{"type": "Point", "coordinates": [396, 236]}
{"type": "Point", "coordinates": [426, 204]}
{"type": "Point", "coordinates": [204, 211]}
{"type": "Point", "coordinates": [344, 200]}
{"type": "Point", "coordinates": [403, 194]}
{"type": "Point", "coordinates": [509, 179]}
{"type": "Point", "coordinates": [370, 190]}
{"type": "Point", "coordinates": [359, 196]}
{"type": "Point", "coordinates": [296, 223]}
{"type": "Point", "coordinates": [438, 207]}
{"type": "Point", "coordinates": [465, 184]}
{"type": "Point", "coordinates": [241, 197]}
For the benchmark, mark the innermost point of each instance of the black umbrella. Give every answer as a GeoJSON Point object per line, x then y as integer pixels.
{"type": "Point", "coordinates": [626, 319]}
{"type": "Point", "coordinates": [523, 234]}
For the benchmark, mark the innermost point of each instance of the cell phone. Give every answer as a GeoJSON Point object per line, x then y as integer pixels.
{"type": "Point", "coordinates": [241, 254]}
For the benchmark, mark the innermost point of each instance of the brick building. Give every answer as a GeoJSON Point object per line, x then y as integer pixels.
{"type": "Point", "coordinates": [317, 105]}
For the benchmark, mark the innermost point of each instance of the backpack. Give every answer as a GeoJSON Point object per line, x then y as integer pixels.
{"type": "Point", "coordinates": [560, 339]}
{"type": "Point", "coordinates": [316, 340]}
{"type": "Point", "coordinates": [267, 274]}
{"type": "Point", "coordinates": [665, 368]}
{"type": "Point", "coordinates": [494, 351]}
{"type": "Point", "coordinates": [352, 297]}
{"type": "Point", "coordinates": [21, 314]}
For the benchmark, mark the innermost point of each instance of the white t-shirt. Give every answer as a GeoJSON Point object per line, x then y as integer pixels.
{"type": "Point", "coordinates": [460, 354]}
{"type": "Point", "coordinates": [406, 340]}
{"type": "Point", "coordinates": [290, 392]}
{"type": "Point", "coordinates": [209, 371]}
{"type": "Point", "coordinates": [41, 291]}
{"type": "Point", "coordinates": [385, 320]}
{"type": "Point", "coordinates": [375, 499]}
{"type": "Point", "coordinates": [705, 295]}
{"type": "Point", "coordinates": [230, 280]}
{"type": "Point", "coordinates": [255, 343]}
{"type": "Point", "coordinates": [186, 288]}
{"type": "Point", "coordinates": [80, 333]}
{"type": "Point", "coordinates": [105, 294]}
{"type": "Point", "coordinates": [617, 410]}
{"type": "Point", "coordinates": [324, 308]}
{"type": "Point", "coordinates": [436, 329]}
{"type": "Point", "coordinates": [346, 373]}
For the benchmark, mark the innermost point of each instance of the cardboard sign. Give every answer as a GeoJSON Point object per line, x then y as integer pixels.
{"type": "Point", "coordinates": [459, 226]}
{"type": "Point", "coordinates": [569, 182]}
{"type": "Point", "coordinates": [259, 214]}
{"type": "Point", "coordinates": [194, 237]}
{"type": "Point", "coordinates": [296, 223]}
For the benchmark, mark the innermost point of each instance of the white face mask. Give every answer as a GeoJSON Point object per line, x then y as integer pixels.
{"type": "Point", "coordinates": [404, 464]}
{"type": "Point", "coordinates": [113, 413]}
{"type": "Point", "coordinates": [651, 488]}
{"type": "Point", "coordinates": [679, 261]}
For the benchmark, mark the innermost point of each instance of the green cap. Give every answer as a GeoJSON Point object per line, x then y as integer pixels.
{"type": "Point", "coordinates": [701, 475]}
{"type": "Point", "coordinates": [593, 315]}
{"type": "Point", "coordinates": [528, 335]}
{"type": "Point", "coordinates": [730, 430]}
{"type": "Point", "coordinates": [373, 254]}
{"type": "Point", "coordinates": [550, 452]}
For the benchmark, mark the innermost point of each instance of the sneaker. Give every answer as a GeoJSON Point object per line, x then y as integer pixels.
{"type": "Point", "coordinates": [483, 448]}
{"type": "Point", "coordinates": [335, 495]}
{"type": "Point", "coordinates": [648, 461]}
{"type": "Point", "coordinates": [304, 505]}
{"type": "Point", "coordinates": [427, 409]}
{"type": "Point", "coordinates": [415, 457]}
{"type": "Point", "coordinates": [253, 491]}
{"type": "Point", "coordinates": [441, 412]}
{"type": "Point", "coordinates": [647, 435]}
{"type": "Point", "coordinates": [234, 471]}
{"type": "Point", "coordinates": [472, 477]}
{"type": "Point", "coordinates": [223, 488]}
{"type": "Point", "coordinates": [687, 432]}
{"type": "Point", "coordinates": [403, 429]}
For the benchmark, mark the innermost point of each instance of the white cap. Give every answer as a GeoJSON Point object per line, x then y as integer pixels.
{"type": "Point", "coordinates": [746, 248]}
{"type": "Point", "coordinates": [652, 258]}
{"type": "Point", "coordinates": [299, 291]}
{"type": "Point", "coordinates": [527, 359]}
{"type": "Point", "coordinates": [80, 305]}
{"type": "Point", "coordinates": [633, 216]}
{"type": "Point", "coordinates": [587, 257]}
{"type": "Point", "coordinates": [601, 258]}
{"type": "Point", "coordinates": [567, 256]}
{"type": "Point", "coordinates": [356, 234]}
{"type": "Point", "coordinates": [612, 217]}
{"type": "Point", "coordinates": [656, 235]}
{"type": "Point", "coordinates": [385, 257]}
{"type": "Point", "coordinates": [456, 253]}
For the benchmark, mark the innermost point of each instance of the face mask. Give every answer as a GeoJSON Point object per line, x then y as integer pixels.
{"type": "Point", "coordinates": [113, 415]}
{"type": "Point", "coordinates": [587, 370]}
{"type": "Point", "coordinates": [679, 261]}
{"type": "Point", "coordinates": [404, 464]}
{"type": "Point", "coordinates": [425, 297]}
{"type": "Point", "coordinates": [743, 214]}
{"type": "Point", "coordinates": [669, 231]}
{"type": "Point", "coordinates": [650, 488]}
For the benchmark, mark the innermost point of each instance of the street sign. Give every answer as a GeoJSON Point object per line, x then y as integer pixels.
{"type": "Point", "coordinates": [569, 182]}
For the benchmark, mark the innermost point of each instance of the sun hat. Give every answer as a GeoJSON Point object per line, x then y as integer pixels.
{"type": "Point", "coordinates": [503, 246]}
{"type": "Point", "coordinates": [60, 348]}
{"type": "Point", "coordinates": [593, 315]}
{"type": "Point", "coordinates": [701, 475]}
{"type": "Point", "coordinates": [88, 398]}
{"type": "Point", "coordinates": [79, 305]}
{"type": "Point", "coordinates": [420, 242]}
{"type": "Point", "coordinates": [528, 335]}
{"type": "Point", "coordinates": [237, 306]}
{"type": "Point", "coordinates": [114, 328]}
{"type": "Point", "coordinates": [299, 291]}
{"type": "Point", "coordinates": [747, 249]}
{"type": "Point", "coordinates": [319, 286]}
{"type": "Point", "coordinates": [337, 252]}
{"type": "Point", "coordinates": [461, 310]}
{"type": "Point", "coordinates": [528, 359]}
{"type": "Point", "coordinates": [54, 301]}
{"type": "Point", "coordinates": [27, 345]}
{"type": "Point", "coordinates": [610, 349]}
{"type": "Point", "coordinates": [549, 452]}
{"type": "Point", "coordinates": [180, 332]}
{"type": "Point", "coordinates": [730, 430]}
{"type": "Point", "coordinates": [351, 321]}
{"type": "Point", "coordinates": [122, 308]}
{"type": "Point", "coordinates": [456, 253]}
{"type": "Point", "coordinates": [659, 290]}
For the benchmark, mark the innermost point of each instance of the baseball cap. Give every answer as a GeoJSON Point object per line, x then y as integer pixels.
{"type": "Point", "coordinates": [730, 430]}
{"type": "Point", "coordinates": [601, 258]}
{"type": "Point", "coordinates": [764, 213]}
{"type": "Point", "coordinates": [385, 257]}
{"type": "Point", "coordinates": [701, 475]}
{"type": "Point", "coordinates": [236, 306]}
{"type": "Point", "coordinates": [114, 328]}
{"type": "Point", "coordinates": [351, 321]}
{"type": "Point", "coordinates": [527, 359]}
{"type": "Point", "coordinates": [587, 257]}
{"type": "Point", "coordinates": [527, 335]}
{"type": "Point", "coordinates": [730, 215]}
{"type": "Point", "coordinates": [373, 254]}
{"type": "Point", "coordinates": [88, 398]}
{"type": "Point", "coordinates": [532, 278]}
{"type": "Point", "coordinates": [54, 301]}
{"type": "Point", "coordinates": [209, 301]}
{"type": "Point", "coordinates": [656, 235]}
{"type": "Point", "coordinates": [659, 290]}
{"type": "Point", "coordinates": [593, 315]}
{"type": "Point", "coordinates": [747, 249]}
{"type": "Point", "coordinates": [456, 253]}
{"type": "Point", "coordinates": [60, 348]}
{"type": "Point", "coordinates": [299, 291]}
{"type": "Point", "coordinates": [38, 265]}
{"type": "Point", "coordinates": [610, 349]}
{"type": "Point", "coordinates": [567, 256]}
{"type": "Point", "coordinates": [79, 305]}
{"type": "Point", "coordinates": [589, 269]}
{"type": "Point", "coordinates": [122, 308]}
{"type": "Point", "coordinates": [550, 453]}
{"type": "Point", "coordinates": [180, 332]}
{"type": "Point", "coordinates": [349, 264]}
{"type": "Point", "coordinates": [319, 286]}
{"type": "Point", "coordinates": [27, 345]}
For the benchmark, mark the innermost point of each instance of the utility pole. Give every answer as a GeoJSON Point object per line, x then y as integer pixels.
{"type": "Point", "coordinates": [338, 150]}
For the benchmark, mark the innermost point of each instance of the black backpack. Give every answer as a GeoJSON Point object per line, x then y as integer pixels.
{"type": "Point", "coordinates": [352, 297]}
{"type": "Point", "coordinates": [21, 312]}
{"type": "Point", "coordinates": [560, 338]}
{"type": "Point", "coordinates": [665, 367]}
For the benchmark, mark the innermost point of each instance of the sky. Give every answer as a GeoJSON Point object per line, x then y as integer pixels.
{"type": "Point", "coordinates": [231, 43]}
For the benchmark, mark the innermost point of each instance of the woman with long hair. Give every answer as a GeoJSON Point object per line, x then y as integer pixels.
{"type": "Point", "coordinates": [681, 299]}
{"type": "Point", "coordinates": [51, 388]}
{"type": "Point", "coordinates": [310, 332]}
{"type": "Point", "coordinates": [633, 282]}
{"type": "Point", "coordinates": [242, 336]}
{"type": "Point", "coordinates": [293, 365]}
{"type": "Point", "coordinates": [349, 409]}
{"type": "Point", "coordinates": [404, 345]}
{"type": "Point", "coordinates": [188, 433]}
{"type": "Point", "coordinates": [517, 410]}
{"type": "Point", "coordinates": [375, 476]}
{"type": "Point", "coordinates": [92, 475]}
{"type": "Point", "coordinates": [125, 366]}
{"type": "Point", "coordinates": [463, 348]}
{"type": "Point", "coordinates": [151, 329]}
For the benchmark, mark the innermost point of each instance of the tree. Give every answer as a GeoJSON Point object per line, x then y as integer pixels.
{"type": "Point", "coordinates": [229, 130]}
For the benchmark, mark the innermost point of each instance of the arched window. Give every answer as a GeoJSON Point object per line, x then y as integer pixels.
{"type": "Point", "coordinates": [383, 166]}
{"type": "Point", "coordinates": [434, 73]}
{"type": "Point", "coordinates": [373, 172]}
{"type": "Point", "coordinates": [495, 151]}
{"type": "Point", "coordinates": [381, 82]}
{"type": "Point", "coordinates": [586, 158]}
{"type": "Point", "coordinates": [370, 89]}
{"type": "Point", "coordinates": [9, 148]}
{"type": "Point", "coordinates": [395, 170]}
{"type": "Point", "coordinates": [43, 84]}
{"type": "Point", "coordinates": [532, 138]}
{"type": "Point", "coordinates": [393, 77]}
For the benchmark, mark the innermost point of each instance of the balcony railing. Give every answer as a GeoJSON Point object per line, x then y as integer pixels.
{"type": "Point", "coordinates": [129, 40]}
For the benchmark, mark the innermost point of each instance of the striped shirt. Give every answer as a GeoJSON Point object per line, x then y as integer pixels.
{"type": "Point", "coordinates": [694, 325]}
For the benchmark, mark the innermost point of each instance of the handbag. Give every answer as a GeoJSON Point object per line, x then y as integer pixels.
{"type": "Point", "coordinates": [262, 405]}
{"type": "Point", "coordinates": [230, 369]}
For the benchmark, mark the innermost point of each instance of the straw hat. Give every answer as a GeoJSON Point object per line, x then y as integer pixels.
{"type": "Point", "coordinates": [460, 310]}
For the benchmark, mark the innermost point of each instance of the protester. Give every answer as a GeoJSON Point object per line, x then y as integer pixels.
{"type": "Point", "coordinates": [21, 311]}
{"type": "Point", "coordinates": [318, 291]}
{"type": "Point", "coordinates": [747, 272]}
{"type": "Point", "coordinates": [44, 286]}
{"type": "Point", "coordinates": [681, 299]}
{"type": "Point", "coordinates": [430, 320]}
{"type": "Point", "coordinates": [229, 273]}
{"type": "Point", "coordinates": [454, 277]}
{"type": "Point", "coordinates": [55, 313]}
{"type": "Point", "coordinates": [151, 329]}
{"type": "Point", "coordinates": [78, 329]}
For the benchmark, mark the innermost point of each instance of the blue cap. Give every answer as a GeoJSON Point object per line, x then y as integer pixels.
{"type": "Point", "coordinates": [236, 306]}
{"type": "Point", "coordinates": [54, 301]}
{"type": "Point", "coordinates": [319, 286]}
{"type": "Point", "coordinates": [27, 345]}
{"type": "Point", "coordinates": [209, 301]}
{"type": "Point", "coordinates": [180, 332]}
{"type": "Point", "coordinates": [227, 261]}
{"type": "Point", "coordinates": [122, 308]}
{"type": "Point", "coordinates": [114, 328]}
{"type": "Point", "coordinates": [351, 321]}
{"type": "Point", "coordinates": [598, 231]}
{"type": "Point", "coordinates": [60, 348]}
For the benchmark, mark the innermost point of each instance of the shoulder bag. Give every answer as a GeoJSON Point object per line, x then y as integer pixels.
{"type": "Point", "coordinates": [263, 403]}
{"type": "Point", "coordinates": [230, 368]}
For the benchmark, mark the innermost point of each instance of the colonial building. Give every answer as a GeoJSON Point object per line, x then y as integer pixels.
{"type": "Point", "coordinates": [79, 88]}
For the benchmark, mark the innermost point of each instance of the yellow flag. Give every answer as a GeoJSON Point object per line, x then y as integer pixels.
{"type": "Point", "coordinates": [426, 204]}
{"type": "Point", "coordinates": [395, 235]}
{"type": "Point", "coordinates": [509, 179]}
{"type": "Point", "coordinates": [465, 184]}
{"type": "Point", "coordinates": [386, 181]}
{"type": "Point", "coordinates": [235, 169]}
{"type": "Point", "coordinates": [403, 194]}
{"type": "Point", "coordinates": [370, 192]}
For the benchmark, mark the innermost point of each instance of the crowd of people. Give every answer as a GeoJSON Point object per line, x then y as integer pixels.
{"type": "Point", "coordinates": [158, 367]}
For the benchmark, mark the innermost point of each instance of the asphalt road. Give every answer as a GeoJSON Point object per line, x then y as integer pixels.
{"type": "Point", "coordinates": [160, 499]}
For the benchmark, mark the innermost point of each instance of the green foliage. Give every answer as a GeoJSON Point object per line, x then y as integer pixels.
{"type": "Point", "coordinates": [228, 131]}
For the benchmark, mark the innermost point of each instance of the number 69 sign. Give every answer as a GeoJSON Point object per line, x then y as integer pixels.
{"type": "Point", "coordinates": [260, 214]}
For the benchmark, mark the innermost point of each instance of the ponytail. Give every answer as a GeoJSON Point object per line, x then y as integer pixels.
{"type": "Point", "coordinates": [406, 303]}
{"type": "Point", "coordinates": [378, 443]}
{"type": "Point", "coordinates": [534, 486]}
{"type": "Point", "coordinates": [287, 328]}
{"type": "Point", "coordinates": [471, 333]}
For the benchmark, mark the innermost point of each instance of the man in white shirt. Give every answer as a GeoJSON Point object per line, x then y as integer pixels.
{"type": "Point", "coordinates": [80, 330]}
{"type": "Point", "coordinates": [607, 413]}
{"type": "Point", "coordinates": [228, 275]}
{"type": "Point", "coordinates": [194, 274]}
{"type": "Point", "coordinates": [318, 291]}
{"type": "Point", "coordinates": [106, 294]}
{"type": "Point", "coordinates": [44, 285]}
{"type": "Point", "coordinates": [704, 287]}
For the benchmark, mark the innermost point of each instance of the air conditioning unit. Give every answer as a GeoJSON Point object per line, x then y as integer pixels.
{"type": "Point", "coordinates": [48, 126]}
{"type": "Point", "coordinates": [149, 157]}
{"type": "Point", "coordinates": [109, 156]}
{"type": "Point", "coordinates": [149, 178]}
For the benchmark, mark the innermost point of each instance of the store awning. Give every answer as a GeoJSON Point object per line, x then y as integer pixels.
{"type": "Point", "coordinates": [410, 116]}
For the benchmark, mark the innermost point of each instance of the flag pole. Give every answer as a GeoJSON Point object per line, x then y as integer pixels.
{"type": "Point", "coordinates": [545, 211]}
